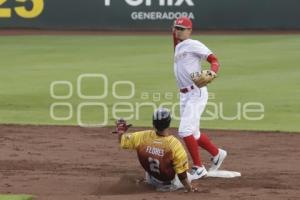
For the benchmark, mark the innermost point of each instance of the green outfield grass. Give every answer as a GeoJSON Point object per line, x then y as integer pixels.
{"type": "Point", "coordinates": [255, 68]}
{"type": "Point", "coordinates": [15, 197]}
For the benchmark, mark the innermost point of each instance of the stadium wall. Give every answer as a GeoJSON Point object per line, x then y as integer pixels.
{"type": "Point", "coordinates": [154, 15]}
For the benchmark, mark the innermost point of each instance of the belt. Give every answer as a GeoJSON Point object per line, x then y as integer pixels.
{"type": "Point", "coordinates": [187, 89]}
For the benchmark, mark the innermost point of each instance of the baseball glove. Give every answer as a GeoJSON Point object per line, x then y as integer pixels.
{"type": "Point", "coordinates": [203, 78]}
{"type": "Point", "coordinates": [121, 126]}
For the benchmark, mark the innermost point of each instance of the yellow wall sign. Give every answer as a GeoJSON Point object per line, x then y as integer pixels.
{"type": "Point", "coordinates": [21, 10]}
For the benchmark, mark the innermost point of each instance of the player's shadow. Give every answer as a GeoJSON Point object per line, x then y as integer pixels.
{"type": "Point", "coordinates": [127, 184]}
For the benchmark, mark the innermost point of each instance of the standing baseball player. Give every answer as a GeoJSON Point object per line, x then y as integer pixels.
{"type": "Point", "coordinates": [160, 154]}
{"type": "Point", "coordinates": [192, 81]}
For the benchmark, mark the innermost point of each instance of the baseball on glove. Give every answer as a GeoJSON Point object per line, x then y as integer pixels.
{"type": "Point", "coordinates": [203, 78]}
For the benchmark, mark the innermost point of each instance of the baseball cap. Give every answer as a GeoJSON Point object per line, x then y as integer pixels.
{"type": "Point", "coordinates": [184, 22]}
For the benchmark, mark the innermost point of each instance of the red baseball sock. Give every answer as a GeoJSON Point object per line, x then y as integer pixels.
{"type": "Point", "coordinates": [206, 144]}
{"type": "Point", "coordinates": [192, 147]}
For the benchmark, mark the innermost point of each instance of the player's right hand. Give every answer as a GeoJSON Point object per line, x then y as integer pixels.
{"type": "Point", "coordinates": [173, 26]}
{"type": "Point", "coordinates": [192, 189]}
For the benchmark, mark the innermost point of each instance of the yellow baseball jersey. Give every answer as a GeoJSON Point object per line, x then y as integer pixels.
{"type": "Point", "coordinates": [161, 156]}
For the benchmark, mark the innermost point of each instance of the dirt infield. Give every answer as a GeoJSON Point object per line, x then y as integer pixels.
{"type": "Point", "coordinates": [65, 163]}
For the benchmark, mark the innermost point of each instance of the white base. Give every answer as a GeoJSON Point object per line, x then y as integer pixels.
{"type": "Point", "coordinates": [223, 174]}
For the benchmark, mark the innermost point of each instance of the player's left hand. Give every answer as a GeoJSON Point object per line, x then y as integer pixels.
{"type": "Point", "coordinates": [203, 78]}
{"type": "Point", "coordinates": [121, 126]}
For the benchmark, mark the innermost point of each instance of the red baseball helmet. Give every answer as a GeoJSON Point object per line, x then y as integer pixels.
{"type": "Point", "coordinates": [184, 22]}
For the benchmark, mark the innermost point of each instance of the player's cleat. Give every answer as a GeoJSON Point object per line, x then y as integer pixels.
{"type": "Point", "coordinates": [217, 160]}
{"type": "Point", "coordinates": [198, 172]}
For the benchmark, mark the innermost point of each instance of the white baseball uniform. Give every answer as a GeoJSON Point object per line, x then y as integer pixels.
{"type": "Point", "coordinates": [160, 186]}
{"type": "Point", "coordinates": [188, 56]}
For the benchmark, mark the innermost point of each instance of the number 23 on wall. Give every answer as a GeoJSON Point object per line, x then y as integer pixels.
{"type": "Point", "coordinates": [35, 10]}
